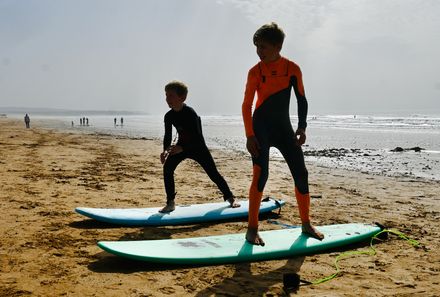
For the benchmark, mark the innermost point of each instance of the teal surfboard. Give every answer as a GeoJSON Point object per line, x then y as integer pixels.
{"type": "Point", "coordinates": [234, 248]}
{"type": "Point", "coordinates": [185, 214]}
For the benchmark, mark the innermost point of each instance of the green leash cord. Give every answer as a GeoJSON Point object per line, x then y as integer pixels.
{"type": "Point", "coordinates": [372, 251]}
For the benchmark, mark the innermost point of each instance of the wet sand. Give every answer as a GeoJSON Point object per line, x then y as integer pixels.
{"type": "Point", "coordinates": [49, 250]}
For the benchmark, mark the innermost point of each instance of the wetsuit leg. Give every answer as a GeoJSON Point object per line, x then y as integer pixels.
{"type": "Point", "coordinates": [204, 158]}
{"type": "Point", "coordinates": [168, 173]}
{"type": "Point", "coordinates": [259, 179]}
{"type": "Point", "coordinates": [294, 157]}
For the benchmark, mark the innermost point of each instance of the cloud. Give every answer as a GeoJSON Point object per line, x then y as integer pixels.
{"type": "Point", "coordinates": [363, 54]}
{"type": "Point", "coordinates": [106, 54]}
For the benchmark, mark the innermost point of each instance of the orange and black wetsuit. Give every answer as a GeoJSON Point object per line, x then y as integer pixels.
{"type": "Point", "coordinates": [189, 129]}
{"type": "Point", "coordinates": [270, 124]}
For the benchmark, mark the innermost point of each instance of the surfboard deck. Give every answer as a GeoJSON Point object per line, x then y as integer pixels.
{"type": "Point", "coordinates": [233, 248]}
{"type": "Point", "coordinates": [186, 214]}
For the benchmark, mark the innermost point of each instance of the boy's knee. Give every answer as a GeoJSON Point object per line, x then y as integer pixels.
{"type": "Point", "coordinates": [303, 188]}
{"type": "Point", "coordinates": [302, 185]}
{"type": "Point", "coordinates": [264, 175]}
{"type": "Point", "coordinates": [305, 173]}
{"type": "Point", "coordinates": [302, 181]}
{"type": "Point", "coordinates": [213, 173]}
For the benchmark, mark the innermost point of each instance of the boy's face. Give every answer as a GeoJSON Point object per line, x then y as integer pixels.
{"type": "Point", "coordinates": [267, 51]}
{"type": "Point", "coordinates": [174, 101]}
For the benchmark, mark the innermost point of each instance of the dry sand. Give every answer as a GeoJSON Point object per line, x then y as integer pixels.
{"type": "Point", "coordinates": [46, 249]}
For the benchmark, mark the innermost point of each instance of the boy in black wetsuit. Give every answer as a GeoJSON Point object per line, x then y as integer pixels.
{"type": "Point", "coordinates": [190, 144]}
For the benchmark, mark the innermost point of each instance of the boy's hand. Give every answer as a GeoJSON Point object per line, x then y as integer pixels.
{"type": "Point", "coordinates": [163, 156]}
{"type": "Point", "coordinates": [175, 149]}
{"type": "Point", "coordinates": [253, 146]}
{"type": "Point", "coordinates": [300, 136]}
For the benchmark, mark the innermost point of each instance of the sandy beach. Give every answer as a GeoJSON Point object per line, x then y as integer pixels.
{"type": "Point", "coordinates": [49, 250]}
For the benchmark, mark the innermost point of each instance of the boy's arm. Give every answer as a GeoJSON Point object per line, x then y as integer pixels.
{"type": "Point", "coordinates": [246, 107]}
{"type": "Point", "coordinates": [298, 87]}
{"type": "Point", "coordinates": [251, 86]}
{"type": "Point", "coordinates": [168, 133]}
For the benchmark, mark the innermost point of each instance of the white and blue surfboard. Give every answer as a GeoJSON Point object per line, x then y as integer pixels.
{"type": "Point", "coordinates": [185, 214]}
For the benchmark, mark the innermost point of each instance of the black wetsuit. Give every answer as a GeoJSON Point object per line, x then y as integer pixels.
{"type": "Point", "coordinates": [189, 128]}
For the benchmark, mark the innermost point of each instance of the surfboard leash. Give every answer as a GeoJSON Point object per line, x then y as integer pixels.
{"type": "Point", "coordinates": [278, 204]}
{"type": "Point", "coordinates": [293, 280]}
{"type": "Point", "coordinates": [371, 252]}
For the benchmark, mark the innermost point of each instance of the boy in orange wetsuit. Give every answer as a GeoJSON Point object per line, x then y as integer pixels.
{"type": "Point", "coordinates": [190, 144]}
{"type": "Point", "coordinates": [273, 79]}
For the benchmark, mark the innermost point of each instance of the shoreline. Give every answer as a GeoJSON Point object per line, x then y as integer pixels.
{"type": "Point", "coordinates": [396, 161]}
{"type": "Point", "coordinates": [49, 250]}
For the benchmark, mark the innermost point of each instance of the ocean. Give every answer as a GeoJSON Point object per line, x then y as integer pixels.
{"type": "Point", "coordinates": [388, 145]}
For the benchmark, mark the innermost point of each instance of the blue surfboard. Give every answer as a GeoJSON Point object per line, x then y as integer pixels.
{"type": "Point", "coordinates": [185, 214]}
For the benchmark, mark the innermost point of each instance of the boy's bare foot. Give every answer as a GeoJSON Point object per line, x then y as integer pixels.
{"type": "Point", "coordinates": [168, 208]}
{"type": "Point", "coordinates": [310, 230]}
{"type": "Point", "coordinates": [253, 237]}
{"type": "Point", "coordinates": [232, 202]}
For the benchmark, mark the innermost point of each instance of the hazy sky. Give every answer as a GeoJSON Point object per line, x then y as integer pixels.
{"type": "Point", "coordinates": [357, 56]}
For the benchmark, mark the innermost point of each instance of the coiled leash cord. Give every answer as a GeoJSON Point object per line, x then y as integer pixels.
{"type": "Point", "coordinates": [293, 280]}
{"type": "Point", "coordinates": [372, 251]}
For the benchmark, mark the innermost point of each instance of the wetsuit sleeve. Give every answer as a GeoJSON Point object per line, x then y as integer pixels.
{"type": "Point", "coordinates": [168, 133]}
{"type": "Point", "coordinates": [246, 108]}
{"type": "Point", "coordinates": [300, 98]}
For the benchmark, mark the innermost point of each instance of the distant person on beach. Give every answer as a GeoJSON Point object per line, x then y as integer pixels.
{"type": "Point", "coordinates": [115, 120]}
{"type": "Point", "coordinates": [80, 121]}
{"type": "Point", "coordinates": [87, 121]}
{"type": "Point", "coordinates": [27, 121]}
{"type": "Point", "coordinates": [122, 121]}
{"type": "Point", "coordinates": [272, 79]}
{"type": "Point", "coordinates": [73, 124]}
{"type": "Point", "coordinates": [190, 144]}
